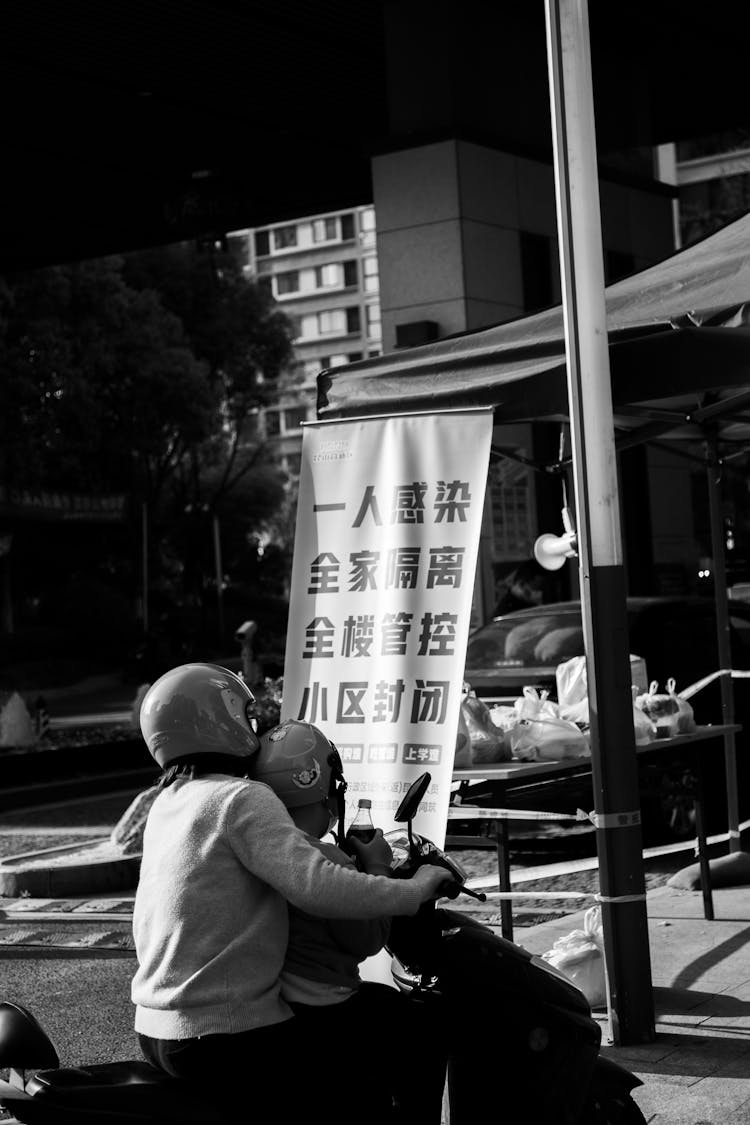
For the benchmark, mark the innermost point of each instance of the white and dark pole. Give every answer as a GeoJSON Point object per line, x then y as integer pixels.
{"type": "Point", "coordinates": [601, 572]}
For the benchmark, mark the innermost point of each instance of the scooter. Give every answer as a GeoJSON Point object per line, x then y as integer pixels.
{"type": "Point", "coordinates": [521, 1037]}
{"type": "Point", "coordinates": [520, 1034]}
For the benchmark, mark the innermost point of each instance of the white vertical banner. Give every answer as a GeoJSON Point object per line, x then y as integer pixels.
{"type": "Point", "coordinates": [388, 526]}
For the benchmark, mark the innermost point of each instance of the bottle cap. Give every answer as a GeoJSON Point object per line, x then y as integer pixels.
{"type": "Point", "coordinates": [365, 803]}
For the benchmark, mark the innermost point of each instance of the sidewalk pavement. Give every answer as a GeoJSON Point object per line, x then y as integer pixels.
{"type": "Point", "coordinates": [697, 1072]}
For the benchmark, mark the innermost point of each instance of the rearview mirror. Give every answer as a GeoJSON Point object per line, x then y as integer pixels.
{"type": "Point", "coordinates": [407, 810]}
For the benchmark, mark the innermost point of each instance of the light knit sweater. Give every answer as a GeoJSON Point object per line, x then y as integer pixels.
{"type": "Point", "coordinates": [221, 857]}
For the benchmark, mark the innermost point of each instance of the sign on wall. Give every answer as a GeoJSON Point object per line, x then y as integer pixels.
{"type": "Point", "coordinates": [388, 524]}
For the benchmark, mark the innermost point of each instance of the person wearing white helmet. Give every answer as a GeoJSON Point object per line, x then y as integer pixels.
{"type": "Point", "coordinates": [321, 980]}
{"type": "Point", "coordinates": [221, 859]}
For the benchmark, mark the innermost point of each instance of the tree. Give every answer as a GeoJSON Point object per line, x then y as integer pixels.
{"type": "Point", "coordinates": [244, 341]}
{"type": "Point", "coordinates": [235, 328]}
{"type": "Point", "coordinates": [145, 375]}
{"type": "Point", "coordinates": [96, 374]}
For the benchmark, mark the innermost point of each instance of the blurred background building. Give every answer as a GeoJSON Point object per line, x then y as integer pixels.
{"type": "Point", "coordinates": [323, 271]}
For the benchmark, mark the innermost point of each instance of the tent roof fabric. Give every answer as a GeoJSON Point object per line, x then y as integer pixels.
{"type": "Point", "coordinates": [668, 336]}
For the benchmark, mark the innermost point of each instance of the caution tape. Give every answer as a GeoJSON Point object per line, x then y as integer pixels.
{"type": "Point", "coordinates": [692, 689]}
{"type": "Point", "coordinates": [615, 819]}
{"type": "Point", "coordinates": [599, 820]}
{"type": "Point", "coordinates": [620, 898]}
{"type": "Point", "coordinates": [539, 894]}
{"type": "Point", "coordinates": [480, 812]}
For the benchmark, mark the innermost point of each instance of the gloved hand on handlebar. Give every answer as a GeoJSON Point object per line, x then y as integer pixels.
{"type": "Point", "coordinates": [373, 858]}
{"type": "Point", "coordinates": [433, 881]}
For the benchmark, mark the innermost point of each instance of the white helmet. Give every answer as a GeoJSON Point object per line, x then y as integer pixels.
{"type": "Point", "coordinates": [198, 709]}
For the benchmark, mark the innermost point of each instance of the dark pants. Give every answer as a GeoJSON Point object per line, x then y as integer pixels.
{"type": "Point", "coordinates": [259, 1069]}
{"type": "Point", "coordinates": [383, 1048]}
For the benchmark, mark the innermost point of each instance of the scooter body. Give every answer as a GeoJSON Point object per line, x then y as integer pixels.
{"type": "Point", "coordinates": [518, 1031]}
{"type": "Point", "coordinates": [40, 1092]}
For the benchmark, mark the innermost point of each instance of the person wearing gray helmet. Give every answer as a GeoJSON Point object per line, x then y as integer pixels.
{"type": "Point", "coordinates": [221, 859]}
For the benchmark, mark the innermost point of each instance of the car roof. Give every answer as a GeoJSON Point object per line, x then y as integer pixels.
{"type": "Point", "coordinates": [636, 603]}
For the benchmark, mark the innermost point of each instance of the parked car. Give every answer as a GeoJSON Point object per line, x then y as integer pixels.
{"type": "Point", "coordinates": [677, 638]}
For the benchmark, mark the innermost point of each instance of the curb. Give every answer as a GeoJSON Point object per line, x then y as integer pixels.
{"type": "Point", "coordinates": [89, 872]}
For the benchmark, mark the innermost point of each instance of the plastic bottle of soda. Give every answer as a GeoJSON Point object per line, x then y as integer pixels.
{"type": "Point", "coordinates": [362, 826]}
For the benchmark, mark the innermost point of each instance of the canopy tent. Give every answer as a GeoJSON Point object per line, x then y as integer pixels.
{"type": "Point", "coordinates": [670, 346]}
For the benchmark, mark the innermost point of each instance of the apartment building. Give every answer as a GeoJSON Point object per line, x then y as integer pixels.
{"type": "Point", "coordinates": [323, 271]}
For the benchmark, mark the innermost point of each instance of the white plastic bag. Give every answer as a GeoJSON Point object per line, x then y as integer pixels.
{"type": "Point", "coordinates": [462, 756]}
{"type": "Point", "coordinates": [547, 739]}
{"type": "Point", "coordinates": [487, 742]}
{"type": "Point", "coordinates": [572, 684]}
{"type": "Point", "coordinates": [644, 728]}
{"type": "Point", "coordinates": [670, 714]}
{"type": "Point", "coordinates": [580, 955]}
{"type": "Point", "coordinates": [535, 704]}
{"type": "Point", "coordinates": [504, 717]}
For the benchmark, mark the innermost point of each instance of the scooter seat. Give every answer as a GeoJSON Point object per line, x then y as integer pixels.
{"type": "Point", "coordinates": [131, 1089]}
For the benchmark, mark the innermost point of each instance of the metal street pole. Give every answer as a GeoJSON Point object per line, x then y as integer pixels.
{"type": "Point", "coordinates": [602, 577]}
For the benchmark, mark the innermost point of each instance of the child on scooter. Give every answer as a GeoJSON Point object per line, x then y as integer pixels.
{"type": "Point", "coordinates": [221, 859]}
{"type": "Point", "coordinates": [321, 980]}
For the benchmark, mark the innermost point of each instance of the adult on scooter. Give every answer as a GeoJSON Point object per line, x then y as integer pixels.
{"type": "Point", "coordinates": [221, 858]}
{"type": "Point", "coordinates": [321, 980]}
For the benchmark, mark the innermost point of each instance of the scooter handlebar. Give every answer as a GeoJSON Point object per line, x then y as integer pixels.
{"type": "Point", "coordinates": [452, 887]}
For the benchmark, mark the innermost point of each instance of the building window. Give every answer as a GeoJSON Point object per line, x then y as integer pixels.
{"type": "Point", "coordinates": [347, 228]}
{"type": "Point", "coordinates": [265, 284]}
{"type": "Point", "coordinates": [284, 237]}
{"type": "Point", "coordinates": [711, 204]}
{"type": "Point", "coordinates": [370, 272]}
{"type": "Point", "coordinates": [513, 522]}
{"type": "Point", "coordinates": [297, 325]}
{"type": "Point", "coordinates": [325, 230]}
{"type": "Point", "coordinates": [262, 244]}
{"type": "Point", "coordinates": [367, 219]}
{"type": "Point", "coordinates": [272, 423]}
{"type": "Point", "coordinates": [350, 273]}
{"type": "Point", "coordinates": [294, 417]}
{"type": "Point", "coordinates": [287, 282]}
{"type": "Point", "coordinates": [373, 322]}
{"type": "Point", "coordinates": [328, 277]}
{"type": "Point", "coordinates": [331, 322]}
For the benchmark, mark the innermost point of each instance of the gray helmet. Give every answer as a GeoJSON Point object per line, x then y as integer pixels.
{"type": "Point", "coordinates": [198, 709]}
{"type": "Point", "coordinates": [299, 763]}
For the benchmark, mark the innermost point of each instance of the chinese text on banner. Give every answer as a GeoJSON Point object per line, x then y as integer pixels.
{"type": "Point", "coordinates": [386, 542]}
